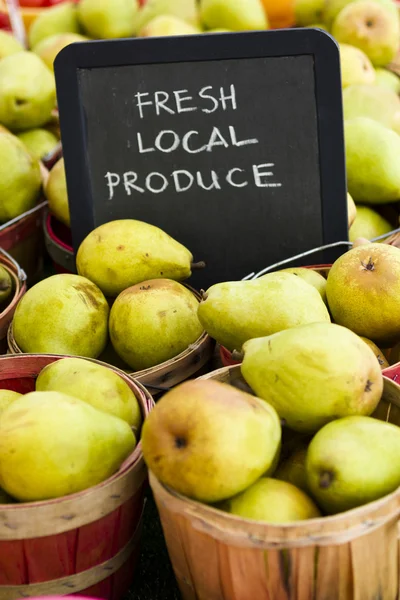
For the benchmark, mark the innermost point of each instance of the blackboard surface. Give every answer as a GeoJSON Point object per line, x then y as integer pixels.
{"type": "Point", "coordinates": [237, 153]}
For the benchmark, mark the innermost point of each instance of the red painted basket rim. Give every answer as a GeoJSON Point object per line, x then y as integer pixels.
{"type": "Point", "coordinates": [53, 236]}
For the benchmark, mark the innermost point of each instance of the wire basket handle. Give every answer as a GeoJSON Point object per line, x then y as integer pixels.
{"type": "Point", "coordinates": [20, 272]}
{"type": "Point", "coordinates": [313, 251]}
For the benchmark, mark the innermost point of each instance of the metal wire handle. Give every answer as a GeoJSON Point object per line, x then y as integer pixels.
{"type": "Point", "coordinates": [20, 272]}
{"type": "Point", "coordinates": [254, 275]}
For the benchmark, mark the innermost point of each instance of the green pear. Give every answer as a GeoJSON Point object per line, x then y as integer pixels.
{"type": "Point", "coordinates": [353, 461]}
{"type": "Point", "coordinates": [210, 441]}
{"type": "Point", "coordinates": [63, 314]}
{"type": "Point", "coordinates": [363, 289]}
{"type": "Point", "coordinates": [121, 253]}
{"type": "Point", "coordinates": [351, 210]}
{"type": "Point", "coordinates": [153, 321]}
{"type": "Point", "coordinates": [355, 66]}
{"type": "Point", "coordinates": [48, 48]}
{"type": "Point", "coordinates": [61, 18]}
{"type": "Point", "coordinates": [313, 374]}
{"type": "Point", "coordinates": [6, 287]}
{"type": "Point", "coordinates": [310, 276]}
{"type": "Point", "coordinates": [167, 25]}
{"type": "Point", "coordinates": [9, 44]}
{"type": "Point", "coordinates": [374, 102]}
{"type": "Point", "coordinates": [382, 360]}
{"type": "Point", "coordinates": [372, 161]}
{"type": "Point", "coordinates": [387, 79]}
{"type": "Point", "coordinates": [368, 224]}
{"type": "Point", "coordinates": [106, 19]}
{"type": "Point", "coordinates": [52, 445]}
{"type": "Point", "coordinates": [332, 8]}
{"type": "Point", "coordinates": [236, 311]}
{"type": "Point", "coordinates": [20, 178]}
{"type": "Point", "coordinates": [308, 12]}
{"type": "Point", "coordinates": [293, 469]}
{"type": "Point", "coordinates": [187, 10]}
{"type": "Point", "coordinates": [233, 14]}
{"type": "Point", "coordinates": [273, 501]}
{"type": "Point", "coordinates": [27, 91]}
{"type": "Point", "coordinates": [96, 384]}
{"type": "Point", "coordinates": [370, 26]}
{"type": "Point", "coordinates": [38, 141]}
{"type": "Point", "coordinates": [56, 193]}
{"type": "Point", "coordinates": [7, 397]}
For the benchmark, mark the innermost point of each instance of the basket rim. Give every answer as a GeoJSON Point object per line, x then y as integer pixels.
{"type": "Point", "coordinates": [49, 231]}
{"type": "Point", "coordinates": [133, 461]}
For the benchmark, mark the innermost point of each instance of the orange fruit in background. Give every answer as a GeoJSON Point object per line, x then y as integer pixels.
{"type": "Point", "coordinates": [280, 13]}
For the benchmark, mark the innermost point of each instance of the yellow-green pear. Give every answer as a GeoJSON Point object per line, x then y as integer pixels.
{"type": "Point", "coordinates": [187, 10]}
{"type": "Point", "coordinates": [210, 441]}
{"type": "Point", "coordinates": [374, 102]}
{"type": "Point", "coordinates": [387, 79]}
{"type": "Point", "coordinates": [310, 276]}
{"type": "Point", "coordinates": [308, 12]}
{"type": "Point", "coordinates": [372, 161]}
{"type": "Point", "coordinates": [233, 14]}
{"type": "Point", "coordinates": [382, 360]}
{"type": "Point", "coordinates": [153, 321]}
{"type": "Point", "coordinates": [6, 287]}
{"type": "Point", "coordinates": [121, 253]}
{"type": "Point", "coordinates": [63, 314]}
{"type": "Point", "coordinates": [9, 44]}
{"type": "Point", "coordinates": [7, 397]}
{"type": "Point", "coordinates": [332, 8]}
{"type": "Point", "coordinates": [236, 311]}
{"type": "Point", "coordinates": [48, 48]}
{"type": "Point", "coordinates": [370, 26]}
{"type": "Point", "coordinates": [61, 18]}
{"type": "Point", "coordinates": [351, 210]}
{"type": "Point", "coordinates": [353, 461]}
{"type": "Point", "coordinates": [167, 25]}
{"type": "Point", "coordinates": [355, 66]}
{"type": "Point", "coordinates": [27, 91]}
{"type": "Point", "coordinates": [96, 384]}
{"type": "Point", "coordinates": [319, 26]}
{"type": "Point", "coordinates": [313, 374]}
{"type": "Point", "coordinates": [38, 141]}
{"type": "Point", "coordinates": [363, 291]}
{"type": "Point", "coordinates": [56, 193]}
{"type": "Point", "coordinates": [293, 469]}
{"type": "Point", "coordinates": [368, 224]}
{"type": "Point", "coordinates": [107, 19]}
{"type": "Point", "coordinates": [52, 445]}
{"type": "Point", "coordinates": [20, 178]}
{"type": "Point", "coordinates": [273, 501]}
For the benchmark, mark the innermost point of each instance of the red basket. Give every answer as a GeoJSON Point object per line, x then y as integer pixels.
{"type": "Point", "coordinates": [58, 241]}
{"type": "Point", "coordinates": [83, 543]}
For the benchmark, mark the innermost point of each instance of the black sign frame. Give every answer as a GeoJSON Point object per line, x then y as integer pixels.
{"type": "Point", "coordinates": [208, 47]}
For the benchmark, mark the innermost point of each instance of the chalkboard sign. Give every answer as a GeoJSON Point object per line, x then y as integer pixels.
{"type": "Point", "coordinates": [231, 143]}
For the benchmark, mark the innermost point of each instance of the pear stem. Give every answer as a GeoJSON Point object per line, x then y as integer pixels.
{"type": "Point", "coordinates": [325, 479]}
{"type": "Point", "coordinates": [236, 355]}
{"type": "Point", "coordinates": [198, 265]}
{"type": "Point", "coordinates": [203, 294]}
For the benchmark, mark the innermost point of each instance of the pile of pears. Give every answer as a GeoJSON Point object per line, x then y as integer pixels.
{"type": "Point", "coordinates": [126, 306]}
{"type": "Point", "coordinates": [73, 432]}
{"type": "Point", "coordinates": [304, 431]}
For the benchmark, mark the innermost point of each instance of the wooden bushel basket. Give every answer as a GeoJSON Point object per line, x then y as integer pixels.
{"type": "Point", "coordinates": [162, 376]}
{"type": "Point", "coordinates": [18, 278]}
{"type": "Point", "coordinates": [349, 556]}
{"type": "Point", "coordinates": [84, 543]}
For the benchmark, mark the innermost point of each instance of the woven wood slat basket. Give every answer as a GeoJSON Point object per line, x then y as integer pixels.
{"type": "Point", "coordinates": [216, 556]}
{"type": "Point", "coordinates": [86, 542]}
{"type": "Point", "coordinates": [18, 279]}
{"type": "Point", "coordinates": [166, 374]}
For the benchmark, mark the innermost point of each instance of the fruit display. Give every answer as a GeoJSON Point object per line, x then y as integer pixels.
{"type": "Point", "coordinates": [83, 421]}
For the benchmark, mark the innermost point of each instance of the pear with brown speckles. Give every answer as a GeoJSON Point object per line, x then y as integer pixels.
{"type": "Point", "coordinates": [125, 252]}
